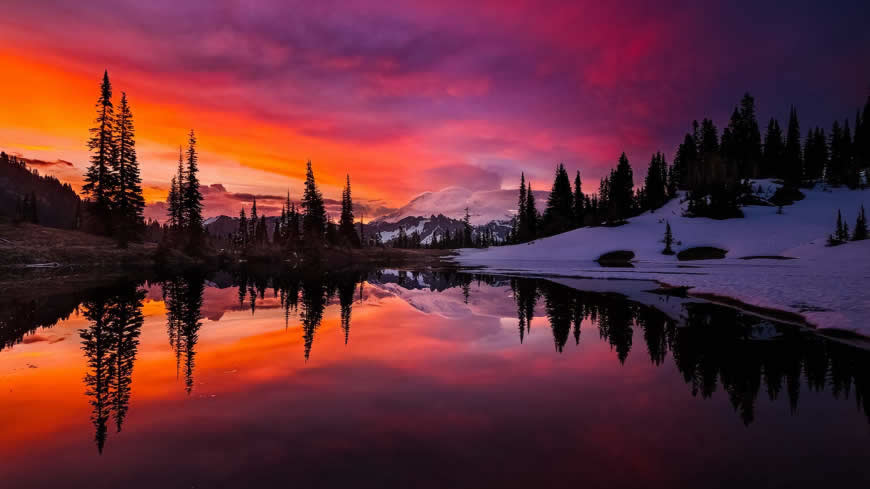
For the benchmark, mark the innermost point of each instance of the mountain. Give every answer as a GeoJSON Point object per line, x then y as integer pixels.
{"type": "Point", "coordinates": [430, 226]}
{"type": "Point", "coordinates": [484, 206]}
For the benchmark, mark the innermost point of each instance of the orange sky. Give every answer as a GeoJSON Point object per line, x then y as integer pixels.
{"type": "Point", "coordinates": [411, 97]}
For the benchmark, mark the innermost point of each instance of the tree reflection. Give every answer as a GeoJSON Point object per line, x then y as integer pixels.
{"type": "Point", "coordinates": [715, 348]}
{"type": "Point", "coordinates": [110, 344]}
{"type": "Point", "coordinates": [183, 299]}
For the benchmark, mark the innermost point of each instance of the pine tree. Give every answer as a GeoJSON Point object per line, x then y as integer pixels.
{"type": "Point", "coordinates": [243, 228]}
{"type": "Point", "coordinates": [171, 203]}
{"type": "Point", "coordinates": [191, 197]}
{"type": "Point", "coordinates": [100, 178]}
{"type": "Point", "coordinates": [314, 218]}
{"type": "Point", "coordinates": [175, 204]}
{"type": "Point", "coordinates": [860, 231]}
{"type": "Point", "coordinates": [622, 189]}
{"type": "Point", "coordinates": [841, 234]}
{"type": "Point", "coordinates": [531, 218]}
{"type": "Point", "coordinates": [252, 224]}
{"type": "Point", "coordinates": [793, 171]}
{"type": "Point", "coordinates": [669, 240]}
{"type": "Point", "coordinates": [579, 200]}
{"type": "Point", "coordinates": [345, 226]}
{"type": "Point", "coordinates": [521, 230]}
{"type": "Point", "coordinates": [466, 230]}
{"type": "Point", "coordinates": [655, 184]}
{"type": "Point", "coordinates": [774, 151]}
{"type": "Point", "coordinates": [559, 213]}
{"type": "Point", "coordinates": [129, 203]}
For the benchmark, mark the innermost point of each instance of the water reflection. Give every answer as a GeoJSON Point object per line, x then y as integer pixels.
{"type": "Point", "coordinates": [110, 344]}
{"type": "Point", "coordinates": [182, 296]}
{"type": "Point", "coordinates": [713, 348]}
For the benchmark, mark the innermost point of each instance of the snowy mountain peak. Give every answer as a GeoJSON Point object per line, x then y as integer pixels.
{"type": "Point", "coordinates": [484, 206]}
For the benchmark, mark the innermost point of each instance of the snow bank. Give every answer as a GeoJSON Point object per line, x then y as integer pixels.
{"type": "Point", "coordinates": [830, 287]}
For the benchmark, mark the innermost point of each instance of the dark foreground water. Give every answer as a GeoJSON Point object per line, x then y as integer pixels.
{"type": "Point", "coordinates": [395, 379]}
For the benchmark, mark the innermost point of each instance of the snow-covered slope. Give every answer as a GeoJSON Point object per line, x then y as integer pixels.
{"type": "Point", "coordinates": [484, 206]}
{"type": "Point", "coordinates": [830, 287]}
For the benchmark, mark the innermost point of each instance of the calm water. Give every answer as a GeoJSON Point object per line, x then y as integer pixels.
{"type": "Point", "coordinates": [395, 379]}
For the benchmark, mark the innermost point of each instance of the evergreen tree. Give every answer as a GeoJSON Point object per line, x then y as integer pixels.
{"type": "Point", "coordinates": [531, 219]}
{"type": "Point", "coordinates": [129, 204]}
{"type": "Point", "coordinates": [579, 200]}
{"type": "Point", "coordinates": [860, 232]}
{"type": "Point", "coordinates": [466, 230]}
{"type": "Point", "coordinates": [314, 217]}
{"type": "Point", "coordinates": [345, 226]}
{"type": "Point", "coordinates": [622, 189]}
{"type": "Point", "coordinates": [835, 173]}
{"type": "Point", "coordinates": [853, 172]}
{"type": "Point", "coordinates": [252, 224]}
{"type": "Point", "coordinates": [655, 184]}
{"type": "Point", "coordinates": [669, 240]}
{"type": "Point", "coordinates": [559, 213]}
{"type": "Point", "coordinates": [191, 197]}
{"type": "Point", "coordinates": [243, 228]}
{"type": "Point", "coordinates": [741, 140]}
{"type": "Point", "coordinates": [774, 151]}
{"type": "Point", "coordinates": [522, 227]}
{"type": "Point", "coordinates": [841, 234]}
{"type": "Point", "coordinates": [172, 204]}
{"type": "Point", "coordinates": [793, 162]}
{"type": "Point", "coordinates": [100, 178]}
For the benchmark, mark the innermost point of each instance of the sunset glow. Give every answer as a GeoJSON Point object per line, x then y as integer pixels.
{"type": "Point", "coordinates": [409, 97]}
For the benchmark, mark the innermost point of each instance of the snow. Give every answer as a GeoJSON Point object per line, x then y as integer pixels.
{"type": "Point", "coordinates": [828, 286]}
{"type": "Point", "coordinates": [484, 206]}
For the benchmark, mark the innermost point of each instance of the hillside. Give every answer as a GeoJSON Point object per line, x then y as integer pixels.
{"type": "Point", "coordinates": [812, 284]}
{"type": "Point", "coordinates": [57, 203]}
{"type": "Point", "coordinates": [28, 244]}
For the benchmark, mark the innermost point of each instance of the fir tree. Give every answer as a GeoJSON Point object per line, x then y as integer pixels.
{"type": "Point", "coordinates": [345, 226]}
{"type": "Point", "coordinates": [860, 231]}
{"type": "Point", "coordinates": [669, 240]}
{"type": "Point", "coordinates": [655, 184]}
{"type": "Point", "coordinates": [314, 218]}
{"type": "Point", "coordinates": [466, 230]}
{"type": "Point", "coordinates": [579, 200]}
{"type": "Point", "coordinates": [191, 197]}
{"type": "Point", "coordinates": [243, 228]}
{"type": "Point", "coordinates": [252, 224]}
{"type": "Point", "coordinates": [793, 162]}
{"type": "Point", "coordinates": [841, 233]}
{"type": "Point", "coordinates": [559, 213]}
{"type": "Point", "coordinates": [774, 151]}
{"type": "Point", "coordinates": [100, 178]}
{"type": "Point", "coordinates": [531, 219]}
{"type": "Point", "coordinates": [129, 203]}
{"type": "Point", "coordinates": [622, 189]}
{"type": "Point", "coordinates": [521, 228]}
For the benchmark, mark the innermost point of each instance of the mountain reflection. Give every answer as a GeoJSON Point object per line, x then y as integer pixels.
{"type": "Point", "coordinates": [714, 348]}
{"type": "Point", "coordinates": [110, 344]}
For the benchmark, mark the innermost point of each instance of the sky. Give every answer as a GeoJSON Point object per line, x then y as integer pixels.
{"type": "Point", "coordinates": [408, 97]}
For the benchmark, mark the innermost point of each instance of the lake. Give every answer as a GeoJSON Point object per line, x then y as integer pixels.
{"type": "Point", "coordinates": [400, 379]}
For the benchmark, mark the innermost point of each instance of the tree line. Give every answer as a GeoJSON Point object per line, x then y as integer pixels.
{"type": "Point", "coordinates": [714, 172]}
{"type": "Point", "coordinates": [28, 196]}
{"type": "Point", "coordinates": [306, 228]}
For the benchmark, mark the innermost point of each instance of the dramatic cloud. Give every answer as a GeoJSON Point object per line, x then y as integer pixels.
{"type": "Point", "coordinates": [416, 96]}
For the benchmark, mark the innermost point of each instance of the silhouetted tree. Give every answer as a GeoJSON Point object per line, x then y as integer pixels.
{"type": "Point", "coordinates": [128, 201]}
{"type": "Point", "coordinates": [100, 179]}
{"type": "Point", "coordinates": [314, 217]}
{"type": "Point", "coordinates": [559, 213]}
